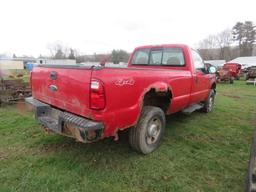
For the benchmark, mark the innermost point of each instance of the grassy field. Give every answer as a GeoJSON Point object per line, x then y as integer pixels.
{"type": "Point", "coordinates": [200, 152]}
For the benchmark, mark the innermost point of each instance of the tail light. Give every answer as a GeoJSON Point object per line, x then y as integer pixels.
{"type": "Point", "coordinates": [97, 95]}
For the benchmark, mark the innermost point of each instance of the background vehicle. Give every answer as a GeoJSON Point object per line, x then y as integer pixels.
{"type": "Point", "coordinates": [251, 76]}
{"type": "Point", "coordinates": [234, 68]}
{"type": "Point", "coordinates": [251, 73]}
{"type": "Point", "coordinates": [224, 74]}
{"type": "Point", "coordinates": [90, 103]}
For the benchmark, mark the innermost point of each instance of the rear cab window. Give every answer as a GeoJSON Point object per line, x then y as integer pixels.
{"type": "Point", "coordinates": [172, 56]}
{"type": "Point", "coordinates": [141, 57]}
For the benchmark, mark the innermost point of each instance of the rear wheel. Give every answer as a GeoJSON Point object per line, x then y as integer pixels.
{"type": "Point", "coordinates": [147, 135]}
{"type": "Point", "coordinates": [251, 174]}
{"type": "Point", "coordinates": [209, 103]}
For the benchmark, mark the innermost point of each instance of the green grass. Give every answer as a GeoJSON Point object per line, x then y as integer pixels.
{"type": "Point", "coordinates": [26, 78]}
{"type": "Point", "coordinates": [200, 152]}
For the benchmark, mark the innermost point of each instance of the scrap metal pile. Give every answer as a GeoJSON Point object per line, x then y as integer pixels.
{"type": "Point", "coordinates": [251, 75]}
{"type": "Point", "coordinates": [13, 90]}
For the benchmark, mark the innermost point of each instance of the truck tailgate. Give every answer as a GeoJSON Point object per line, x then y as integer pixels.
{"type": "Point", "coordinates": [66, 88]}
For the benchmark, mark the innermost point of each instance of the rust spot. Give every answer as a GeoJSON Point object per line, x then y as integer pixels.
{"type": "Point", "coordinates": [47, 130]}
{"type": "Point", "coordinates": [73, 131]}
{"type": "Point", "coordinates": [91, 135]}
{"type": "Point", "coordinates": [81, 135]}
{"type": "Point", "coordinates": [116, 137]}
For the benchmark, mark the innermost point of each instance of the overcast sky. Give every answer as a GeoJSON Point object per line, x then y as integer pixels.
{"type": "Point", "coordinates": [29, 26]}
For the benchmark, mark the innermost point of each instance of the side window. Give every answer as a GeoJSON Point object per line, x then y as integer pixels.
{"type": "Point", "coordinates": [141, 57]}
{"type": "Point", "coordinates": [198, 61]}
{"type": "Point", "coordinates": [156, 57]}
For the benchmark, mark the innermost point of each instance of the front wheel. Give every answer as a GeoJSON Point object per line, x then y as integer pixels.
{"type": "Point", "coordinates": [209, 103]}
{"type": "Point", "coordinates": [147, 135]}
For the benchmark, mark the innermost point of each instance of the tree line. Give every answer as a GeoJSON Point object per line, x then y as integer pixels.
{"type": "Point", "coordinates": [59, 51]}
{"type": "Point", "coordinates": [230, 43]}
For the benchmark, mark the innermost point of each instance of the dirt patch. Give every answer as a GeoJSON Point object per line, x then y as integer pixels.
{"type": "Point", "coordinates": [2, 156]}
{"type": "Point", "coordinates": [232, 96]}
{"type": "Point", "coordinates": [65, 145]}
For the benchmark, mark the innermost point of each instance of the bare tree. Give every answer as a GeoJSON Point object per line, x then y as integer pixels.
{"type": "Point", "coordinates": [58, 50]}
{"type": "Point", "coordinates": [208, 47]}
{"type": "Point", "coordinates": [218, 46]}
{"type": "Point", "coordinates": [209, 43]}
{"type": "Point", "coordinates": [224, 40]}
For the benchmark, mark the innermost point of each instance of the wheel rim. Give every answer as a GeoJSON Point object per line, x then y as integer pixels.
{"type": "Point", "coordinates": [153, 131]}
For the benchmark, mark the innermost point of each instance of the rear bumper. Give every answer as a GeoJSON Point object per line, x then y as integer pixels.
{"type": "Point", "coordinates": [65, 123]}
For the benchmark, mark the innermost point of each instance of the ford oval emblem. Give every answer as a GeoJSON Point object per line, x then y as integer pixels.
{"type": "Point", "coordinates": [53, 87]}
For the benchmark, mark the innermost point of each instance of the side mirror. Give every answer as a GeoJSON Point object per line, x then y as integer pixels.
{"type": "Point", "coordinates": [212, 70]}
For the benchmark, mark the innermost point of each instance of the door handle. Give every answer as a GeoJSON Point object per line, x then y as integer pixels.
{"type": "Point", "coordinates": [53, 75]}
{"type": "Point", "coordinates": [196, 79]}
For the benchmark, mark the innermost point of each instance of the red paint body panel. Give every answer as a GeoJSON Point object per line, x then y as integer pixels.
{"type": "Point", "coordinates": [73, 88]}
{"type": "Point", "coordinates": [124, 89]}
{"type": "Point", "coordinates": [234, 68]}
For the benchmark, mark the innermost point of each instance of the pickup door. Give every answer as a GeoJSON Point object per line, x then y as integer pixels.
{"type": "Point", "coordinates": [201, 80]}
{"type": "Point", "coordinates": [64, 87]}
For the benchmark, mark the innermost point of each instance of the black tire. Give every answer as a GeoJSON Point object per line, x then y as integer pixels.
{"type": "Point", "coordinates": [147, 135]}
{"type": "Point", "coordinates": [209, 103]}
{"type": "Point", "coordinates": [250, 179]}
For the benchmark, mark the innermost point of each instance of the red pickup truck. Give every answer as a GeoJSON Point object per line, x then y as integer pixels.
{"type": "Point", "coordinates": [91, 103]}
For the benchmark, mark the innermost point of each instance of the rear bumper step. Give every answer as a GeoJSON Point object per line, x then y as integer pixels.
{"type": "Point", "coordinates": [83, 129]}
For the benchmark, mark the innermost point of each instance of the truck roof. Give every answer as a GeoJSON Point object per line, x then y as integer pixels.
{"type": "Point", "coordinates": [161, 45]}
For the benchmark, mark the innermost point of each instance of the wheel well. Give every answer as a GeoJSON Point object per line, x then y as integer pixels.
{"type": "Point", "coordinates": [158, 99]}
{"type": "Point", "coordinates": [213, 86]}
